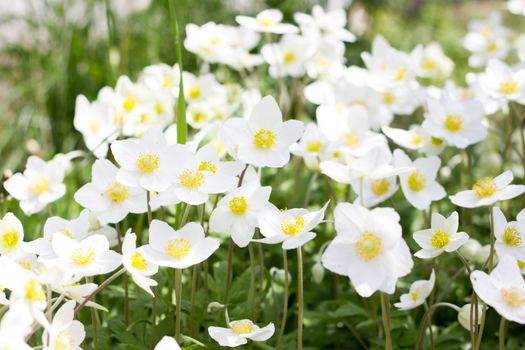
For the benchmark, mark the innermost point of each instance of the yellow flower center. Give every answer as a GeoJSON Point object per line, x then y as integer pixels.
{"type": "Point", "coordinates": [64, 341]}
{"type": "Point", "coordinates": [368, 246]}
{"type": "Point", "coordinates": [242, 327]}
{"type": "Point", "coordinates": [148, 163]}
{"type": "Point", "coordinates": [66, 232]}
{"type": "Point", "coordinates": [34, 291]}
{"type": "Point", "coordinates": [466, 94]}
{"type": "Point", "coordinates": [166, 82]}
{"type": "Point", "coordinates": [93, 126]}
{"type": "Point", "coordinates": [192, 179]}
{"type": "Point", "coordinates": [24, 264]}
{"type": "Point", "coordinates": [178, 248]}
{"type": "Point", "coordinates": [414, 294]}
{"type": "Point", "coordinates": [39, 185]}
{"type": "Point", "coordinates": [10, 239]}
{"type": "Point", "coordinates": [400, 74]}
{"type": "Point", "coordinates": [265, 22]}
{"type": "Point", "coordinates": [508, 87]}
{"type": "Point", "coordinates": [208, 166]}
{"type": "Point", "coordinates": [138, 262]}
{"type": "Point", "coordinates": [117, 192]}
{"type": "Point", "coordinates": [492, 46]}
{"type": "Point", "coordinates": [453, 123]}
{"type": "Point", "coordinates": [439, 239]}
{"type": "Point", "coordinates": [521, 264]}
{"type": "Point", "coordinates": [389, 98]}
{"type": "Point", "coordinates": [380, 186]}
{"type": "Point", "coordinates": [429, 64]}
{"type": "Point", "coordinates": [289, 57]}
{"type": "Point", "coordinates": [513, 296]}
{"type": "Point", "coordinates": [215, 41]}
{"type": "Point", "coordinates": [238, 205]}
{"type": "Point", "coordinates": [416, 181]}
{"type": "Point", "coordinates": [415, 139]}
{"type": "Point", "coordinates": [129, 103]}
{"type": "Point", "coordinates": [293, 226]}
{"type": "Point", "coordinates": [512, 237]}
{"type": "Point", "coordinates": [83, 256]}
{"type": "Point", "coordinates": [351, 138]}
{"type": "Point", "coordinates": [484, 187]}
{"type": "Point", "coordinates": [194, 91]}
{"type": "Point", "coordinates": [314, 146]}
{"type": "Point", "coordinates": [264, 139]}
{"type": "Point", "coordinates": [159, 109]}
{"type": "Point", "coordinates": [198, 117]}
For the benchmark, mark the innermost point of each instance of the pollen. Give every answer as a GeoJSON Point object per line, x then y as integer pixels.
{"type": "Point", "coordinates": [508, 87]}
{"type": "Point", "coordinates": [192, 179]}
{"type": "Point", "coordinates": [194, 92]}
{"type": "Point", "coordinates": [215, 41]}
{"type": "Point", "coordinates": [265, 22]}
{"type": "Point", "coordinates": [492, 46]}
{"type": "Point", "coordinates": [416, 181]}
{"type": "Point", "coordinates": [138, 262]}
{"type": "Point", "coordinates": [289, 57]}
{"type": "Point", "coordinates": [351, 138]}
{"type": "Point", "coordinates": [238, 205]}
{"type": "Point", "coordinates": [24, 264]}
{"type": "Point", "coordinates": [453, 123]}
{"type": "Point", "coordinates": [39, 185]}
{"type": "Point", "coordinates": [513, 296]}
{"type": "Point", "coordinates": [34, 291]}
{"type": "Point", "coordinates": [159, 109]}
{"type": "Point", "coordinates": [314, 146]}
{"type": "Point", "coordinates": [167, 81]}
{"type": "Point", "coordinates": [67, 233]}
{"type": "Point", "coordinates": [414, 294]}
{"type": "Point", "coordinates": [428, 64]}
{"type": "Point", "coordinates": [511, 236]}
{"type": "Point", "coordinates": [380, 187]}
{"type": "Point", "coordinates": [208, 166]}
{"type": "Point", "coordinates": [117, 192]}
{"type": "Point", "coordinates": [292, 226]}
{"type": "Point", "coordinates": [83, 256]}
{"type": "Point", "coordinates": [439, 239]}
{"type": "Point", "coordinates": [64, 341]}
{"type": "Point", "coordinates": [264, 139]}
{"type": "Point", "coordinates": [178, 248]}
{"type": "Point", "coordinates": [368, 246]}
{"type": "Point", "coordinates": [129, 103]}
{"type": "Point", "coordinates": [484, 187]}
{"type": "Point", "coordinates": [389, 98]}
{"type": "Point", "coordinates": [198, 117]}
{"type": "Point", "coordinates": [400, 74]}
{"type": "Point", "coordinates": [242, 327]}
{"type": "Point", "coordinates": [148, 163]}
{"type": "Point", "coordinates": [10, 239]}
{"type": "Point", "coordinates": [415, 139]}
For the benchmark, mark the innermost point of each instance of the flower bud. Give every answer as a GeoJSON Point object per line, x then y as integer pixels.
{"type": "Point", "coordinates": [214, 306]}
{"type": "Point", "coordinates": [278, 275]}
{"type": "Point", "coordinates": [470, 249]}
{"type": "Point", "coordinates": [483, 254]}
{"type": "Point", "coordinates": [317, 272]}
{"type": "Point", "coordinates": [464, 315]}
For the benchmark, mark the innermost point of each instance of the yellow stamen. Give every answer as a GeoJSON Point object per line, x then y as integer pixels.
{"type": "Point", "coordinates": [138, 262]}
{"type": "Point", "coordinates": [292, 226]}
{"type": "Point", "coordinates": [380, 187]}
{"type": "Point", "coordinates": [508, 87]}
{"type": "Point", "coordinates": [513, 296]}
{"type": "Point", "coordinates": [238, 205]}
{"type": "Point", "coordinates": [117, 192]}
{"type": "Point", "coordinates": [368, 246]}
{"type": "Point", "coordinates": [10, 239]}
{"type": "Point", "coordinates": [148, 163]}
{"type": "Point", "coordinates": [453, 123]}
{"type": "Point", "coordinates": [429, 64]}
{"type": "Point", "coordinates": [511, 236]}
{"type": "Point", "coordinates": [39, 185]}
{"type": "Point", "coordinates": [192, 179]}
{"type": "Point", "coordinates": [400, 74]}
{"type": "Point", "coordinates": [178, 248]}
{"type": "Point", "coordinates": [129, 103]}
{"type": "Point", "coordinates": [439, 239]}
{"type": "Point", "coordinates": [414, 294]}
{"type": "Point", "coordinates": [416, 181]}
{"type": "Point", "coordinates": [484, 187]}
{"type": "Point", "coordinates": [34, 291]}
{"type": "Point", "coordinates": [208, 166]}
{"type": "Point", "coordinates": [242, 327]}
{"type": "Point", "coordinates": [194, 91]}
{"type": "Point", "coordinates": [314, 146]}
{"type": "Point", "coordinates": [389, 98]}
{"type": "Point", "coordinates": [64, 341]}
{"type": "Point", "coordinates": [289, 57]}
{"type": "Point", "coordinates": [83, 256]}
{"type": "Point", "coordinates": [264, 139]}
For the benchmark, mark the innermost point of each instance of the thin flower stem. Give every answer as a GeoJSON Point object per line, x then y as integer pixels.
{"type": "Point", "coordinates": [422, 324]}
{"type": "Point", "coordinates": [251, 294]}
{"type": "Point", "coordinates": [125, 279]}
{"type": "Point", "coordinates": [300, 297]}
{"type": "Point", "coordinates": [101, 287]}
{"type": "Point", "coordinates": [385, 313]}
{"type": "Point", "coordinates": [178, 295]}
{"type": "Point", "coordinates": [464, 261]}
{"type": "Point", "coordinates": [285, 300]}
{"type": "Point", "coordinates": [430, 332]}
{"type": "Point", "coordinates": [148, 198]}
{"type": "Point", "coordinates": [94, 328]}
{"type": "Point", "coordinates": [194, 277]}
{"type": "Point", "coordinates": [154, 299]}
{"type": "Point", "coordinates": [501, 334]}
{"type": "Point", "coordinates": [228, 273]}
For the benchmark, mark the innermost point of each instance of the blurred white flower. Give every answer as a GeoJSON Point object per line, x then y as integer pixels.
{"type": "Point", "coordinates": [167, 343]}
{"type": "Point", "coordinates": [502, 82]}
{"type": "Point", "coordinates": [64, 332]}
{"type": "Point", "coordinates": [288, 56]}
{"type": "Point", "coordinates": [434, 63]}
{"type": "Point", "coordinates": [238, 332]}
{"type": "Point", "coordinates": [267, 21]}
{"type": "Point", "coordinates": [11, 234]}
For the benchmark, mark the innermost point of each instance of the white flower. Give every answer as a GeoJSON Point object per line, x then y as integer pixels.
{"type": "Point", "coordinates": [420, 186]}
{"type": "Point", "coordinates": [65, 332]}
{"type": "Point", "coordinates": [135, 261]}
{"type": "Point", "coordinates": [419, 291]}
{"type": "Point", "coordinates": [89, 257]}
{"type": "Point", "coordinates": [442, 236]}
{"type": "Point", "coordinates": [161, 77]}
{"type": "Point", "coordinates": [464, 315]}
{"type": "Point", "coordinates": [15, 326]}
{"type": "Point", "coordinates": [147, 162]}
{"type": "Point", "coordinates": [238, 332]}
{"type": "Point", "coordinates": [487, 191]}
{"type": "Point", "coordinates": [11, 234]}
{"type": "Point", "coordinates": [167, 343]}
{"type": "Point", "coordinates": [40, 184]}
{"type": "Point", "coordinates": [288, 56]}
{"type": "Point", "coordinates": [292, 227]}
{"type": "Point", "coordinates": [502, 82]}
{"type": "Point", "coordinates": [509, 236]}
{"type": "Point", "coordinates": [263, 139]}
{"type": "Point", "coordinates": [416, 138]}
{"type": "Point", "coordinates": [503, 289]}
{"type": "Point", "coordinates": [459, 123]}
{"type": "Point", "coordinates": [434, 63]}
{"type": "Point", "coordinates": [374, 191]}
{"type": "Point", "coordinates": [267, 21]}
{"type": "Point", "coordinates": [327, 25]}
{"type": "Point", "coordinates": [108, 198]}
{"type": "Point", "coordinates": [368, 248]}
{"type": "Point", "coordinates": [516, 7]}
{"type": "Point", "coordinates": [237, 212]}
{"type": "Point", "coordinates": [178, 249]}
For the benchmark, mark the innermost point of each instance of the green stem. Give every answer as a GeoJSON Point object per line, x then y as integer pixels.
{"type": "Point", "coordinates": [194, 278]}
{"type": "Point", "coordinates": [251, 295]}
{"type": "Point", "coordinates": [94, 327]}
{"type": "Point", "coordinates": [229, 272]}
{"type": "Point", "coordinates": [178, 294]}
{"type": "Point", "coordinates": [430, 332]}
{"type": "Point", "coordinates": [99, 288]}
{"type": "Point", "coordinates": [428, 313]}
{"type": "Point", "coordinates": [285, 301]}
{"type": "Point", "coordinates": [300, 297]}
{"type": "Point", "coordinates": [385, 313]}
{"type": "Point", "coordinates": [501, 334]}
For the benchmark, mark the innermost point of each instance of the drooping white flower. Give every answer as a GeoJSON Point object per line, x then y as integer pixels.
{"type": "Point", "coordinates": [487, 191]}
{"type": "Point", "coordinates": [368, 248]}
{"type": "Point", "coordinates": [40, 184]}
{"type": "Point", "coordinates": [442, 236]}
{"type": "Point", "coordinates": [65, 332]}
{"type": "Point", "coordinates": [418, 293]}
{"type": "Point", "coordinates": [510, 236]}
{"type": "Point", "coordinates": [178, 249]}
{"type": "Point", "coordinates": [503, 289]}
{"type": "Point", "coordinates": [11, 234]}
{"type": "Point", "coordinates": [420, 186]}
{"type": "Point", "coordinates": [238, 332]}
{"type": "Point", "coordinates": [293, 227]}
{"type": "Point", "coordinates": [137, 264]}
{"type": "Point", "coordinates": [267, 21]}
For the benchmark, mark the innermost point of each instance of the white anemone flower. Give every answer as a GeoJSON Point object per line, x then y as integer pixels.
{"type": "Point", "coordinates": [238, 332]}
{"type": "Point", "coordinates": [106, 197]}
{"type": "Point", "coordinates": [263, 139]}
{"type": "Point", "coordinates": [516, 7]}
{"type": "Point", "coordinates": [89, 257]}
{"type": "Point", "coordinates": [434, 63]}
{"type": "Point", "coordinates": [178, 249]}
{"type": "Point", "coordinates": [503, 289]}
{"type": "Point", "coordinates": [502, 82]}
{"type": "Point", "coordinates": [267, 21]}
{"type": "Point", "coordinates": [420, 186]}
{"type": "Point", "coordinates": [137, 264]}
{"type": "Point", "coordinates": [374, 191]}
{"type": "Point", "coordinates": [510, 236]}
{"type": "Point", "coordinates": [368, 248]}
{"type": "Point", "coordinates": [147, 162]}
{"type": "Point", "coordinates": [487, 191]}
{"type": "Point", "coordinates": [288, 57]}
{"type": "Point", "coordinates": [167, 343]}
{"type": "Point", "coordinates": [325, 24]}
{"type": "Point", "coordinates": [40, 184]}
{"type": "Point", "coordinates": [15, 326]}
{"type": "Point", "coordinates": [442, 236]}
{"type": "Point", "coordinates": [418, 293]}
{"type": "Point", "coordinates": [65, 332]}
{"type": "Point", "coordinates": [293, 227]}
{"type": "Point", "coordinates": [11, 234]}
